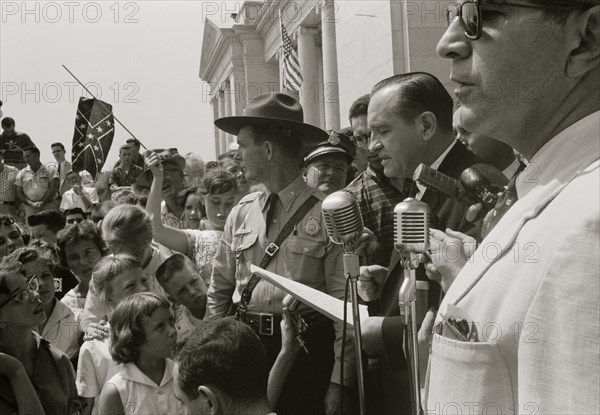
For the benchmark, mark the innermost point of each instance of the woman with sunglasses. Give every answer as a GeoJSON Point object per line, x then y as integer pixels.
{"type": "Point", "coordinates": [35, 377]}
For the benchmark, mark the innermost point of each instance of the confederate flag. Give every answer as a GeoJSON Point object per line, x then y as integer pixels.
{"type": "Point", "coordinates": [94, 132]}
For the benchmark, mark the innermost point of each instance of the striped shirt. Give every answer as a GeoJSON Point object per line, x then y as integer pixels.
{"type": "Point", "coordinates": [7, 183]}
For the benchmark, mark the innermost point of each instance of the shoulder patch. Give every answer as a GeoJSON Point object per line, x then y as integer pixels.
{"type": "Point", "coordinates": [249, 198]}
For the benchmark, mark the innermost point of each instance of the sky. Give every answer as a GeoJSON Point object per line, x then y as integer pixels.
{"type": "Point", "coordinates": [141, 57]}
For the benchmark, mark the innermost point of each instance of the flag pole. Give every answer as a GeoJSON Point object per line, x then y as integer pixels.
{"type": "Point", "coordinates": [100, 102]}
{"type": "Point", "coordinates": [281, 63]}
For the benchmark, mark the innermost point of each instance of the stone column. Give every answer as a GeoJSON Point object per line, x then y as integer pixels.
{"type": "Point", "coordinates": [215, 105]}
{"type": "Point", "coordinates": [311, 92]}
{"type": "Point", "coordinates": [222, 134]}
{"type": "Point", "coordinates": [228, 110]}
{"type": "Point", "coordinates": [330, 69]}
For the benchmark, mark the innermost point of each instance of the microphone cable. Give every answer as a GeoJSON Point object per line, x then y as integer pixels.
{"type": "Point", "coordinates": [346, 289]}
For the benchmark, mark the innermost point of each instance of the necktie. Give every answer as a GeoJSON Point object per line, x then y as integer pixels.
{"type": "Point", "coordinates": [271, 203]}
{"type": "Point", "coordinates": [506, 200]}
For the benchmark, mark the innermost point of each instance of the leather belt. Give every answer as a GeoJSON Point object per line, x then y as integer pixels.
{"type": "Point", "coordinates": [267, 324]}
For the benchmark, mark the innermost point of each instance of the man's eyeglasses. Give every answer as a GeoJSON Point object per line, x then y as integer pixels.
{"type": "Point", "coordinates": [469, 12]}
{"type": "Point", "coordinates": [361, 140]}
{"type": "Point", "coordinates": [23, 295]}
{"type": "Point", "coordinates": [74, 220]}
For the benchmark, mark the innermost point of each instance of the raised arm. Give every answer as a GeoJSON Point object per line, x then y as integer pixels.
{"type": "Point", "coordinates": [172, 238]}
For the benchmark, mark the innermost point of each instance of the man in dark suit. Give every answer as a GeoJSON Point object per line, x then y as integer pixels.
{"type": "Point", "coordinates": [410, 118]}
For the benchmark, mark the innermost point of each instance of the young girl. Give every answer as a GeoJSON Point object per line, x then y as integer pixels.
{"type": "Point", "coordinates": [143, 338]}
{"type": "Point", "coordinates": [114, 278]}
{"type": "Point", "coordinates": [193, 210]}
{"type": "Point", "coordinates": [218, 192]}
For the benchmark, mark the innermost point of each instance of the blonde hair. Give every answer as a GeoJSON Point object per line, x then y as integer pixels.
{"type": "Point", "coordinates": [127, 229]}
{"type": "Point", "coordinates": [107, 269]}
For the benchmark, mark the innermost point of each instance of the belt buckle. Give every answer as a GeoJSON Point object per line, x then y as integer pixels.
{"type": "Point", "coordinates": [271, 249]}
{"type": "Point", "coordinates": [265, 324]}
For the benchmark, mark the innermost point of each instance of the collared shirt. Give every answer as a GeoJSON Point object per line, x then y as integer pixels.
{"type": "Point", "coordinates": [53, 379]}
{"type": "Point", "coordinates": [8, 175]}
{"type": "Point", "coordinates": [169, 218]}
{"type": "Point", "coordinates": [71, 200]}
{"type": "Point", "coordinates": [377, 198]}
{"type": "Point", "coordinates": [531, 291]}
{"type": "Point", "coordinates": [140, 395]}
{"type": "Point", "coordinates": [185, 323]}
{"type": "Point", "coordinates": [95, 367]}
{"type": "Point", "coordinates": [61, 170]}
{"type": "Point", "coordinates": [120, 177]}
{"type": "Point", "coordinates": [306, 256]}
{"type": "Point", "coordinates": [512, 169]}
{"type": "Point", "coordinates": [35, 184]}
{"type": "Point", "coordinates": [75, 303]}
{"type": "Point", "coordinates": [62, 330]}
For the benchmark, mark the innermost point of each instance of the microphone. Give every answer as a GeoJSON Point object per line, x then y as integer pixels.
{"type": "Point", "coordinates": [344, 225]}
{"type": "Point", "coordinates": [477, 186]}
{"type": "Point", "coordinates": [343, 221]}
{"type": "Point", "coordinates": [411, 219]}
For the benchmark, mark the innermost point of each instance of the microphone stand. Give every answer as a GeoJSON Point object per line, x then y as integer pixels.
{"type": "Point", "coordinates": [407, 299]}
{"type": "Point", "coordinates": [352, 271]}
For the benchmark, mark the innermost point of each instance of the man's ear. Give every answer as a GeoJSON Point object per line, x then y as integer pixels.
{"type": "Point", "coordinates": [585, 43]}
{"type": "Point", "coordinates": [269, 150]}
{"type": "Point", "coordinates": [304, 173]}
{"type": "Point", "coordinates": [427, 124]}
{"type": "Point", "coordinates": [210, 403]}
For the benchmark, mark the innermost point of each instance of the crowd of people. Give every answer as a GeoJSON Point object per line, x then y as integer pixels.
{"type": "Point", "coordinates": [132, 292]}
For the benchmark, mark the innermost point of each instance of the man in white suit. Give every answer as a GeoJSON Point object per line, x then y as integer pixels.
{"type": "Point", "coordinates": [530, 293]}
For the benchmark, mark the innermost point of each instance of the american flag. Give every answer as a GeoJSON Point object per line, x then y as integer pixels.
{"type": "Point", "coordinates": [292, 76]}
{"type": "Point", "coordinates": [94, 132]}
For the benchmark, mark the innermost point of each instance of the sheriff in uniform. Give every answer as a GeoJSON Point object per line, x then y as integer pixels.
{"type": "Point", "coordinates": [271, 134]}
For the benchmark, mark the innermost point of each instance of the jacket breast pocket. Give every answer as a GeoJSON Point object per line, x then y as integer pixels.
{"type": "Point", "coordinates": [304, 260]}
{"type": "Point", "coordinates": [471, 377]}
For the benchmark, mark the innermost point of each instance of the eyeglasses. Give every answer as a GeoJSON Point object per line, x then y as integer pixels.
{"type": "Point", "coordinates": [74, 220]}
{"type": "Point", "coordinates": [6, 220]}
{"type": "Point", "coordinates": [469, 12]}
{"type": "Point", "coordinates": [361, 140]}
{"type": "Point", "coordinates": [23, 295]}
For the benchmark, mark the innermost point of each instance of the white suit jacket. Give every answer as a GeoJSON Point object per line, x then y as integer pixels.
{"type": "Point", "coordinates": [532, 288]}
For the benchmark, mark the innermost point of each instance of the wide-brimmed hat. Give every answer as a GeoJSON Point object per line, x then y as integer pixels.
{"type": "Point", "coordinates": [274, 109]}
{"type": "Point", "coordinates": [167, 156]}
{"type": "Point", "coordinates": [336, 143]}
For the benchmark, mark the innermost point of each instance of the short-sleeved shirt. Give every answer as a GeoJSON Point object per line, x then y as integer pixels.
{"type": "Point", "coordinates": [169, 218]}
{"type": "Point", "coordinates": [35, 184]}
{"type": "Point", "coordinates": [202, 248]}
{"type": "Point", "coordinates": [120, 177]}
{"type": "Point", "coordinates": [8, 175]}
{"type": "Point", "coordinates": [62, 330]}
{"type": "Point", "coordinates": [75, 304]}
{"type": "Point", "coordinates": [140, 395]}
{"type": "Point", "coordinates": [71, 200]}
{"type": "Point", "coordinates": [53, 379]}
{"type": "Point", "coordinates": [94, 368]}
{"type": "Point", "coordinates": [14, 144]}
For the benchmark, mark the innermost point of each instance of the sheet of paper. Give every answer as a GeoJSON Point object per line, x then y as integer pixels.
{"type": "Point", "coordinates": [320, 301]}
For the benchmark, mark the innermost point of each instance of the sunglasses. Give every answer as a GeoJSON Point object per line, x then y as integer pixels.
{"type": "Point", "coordinates": [469, 12]}
{"type": "Point", "coordinates": [23, 295]}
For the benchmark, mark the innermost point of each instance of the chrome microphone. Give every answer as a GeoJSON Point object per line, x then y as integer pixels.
{"type": "Point", "coordinates": [343, 221]}
{"type": "Point", "coordinates": [412, 240]}
{"type": "Point", "coordinates": [411, 230]}
{"type": "Point", "coordinates": [344, 225]}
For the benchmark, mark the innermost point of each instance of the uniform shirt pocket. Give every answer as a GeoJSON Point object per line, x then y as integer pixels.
{"type": "Point", "coordinates": [471, 377]}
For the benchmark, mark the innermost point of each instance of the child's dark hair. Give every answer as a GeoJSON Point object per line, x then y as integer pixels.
{"type": "Point", "coordinates": [216, 182]}
{"type": "Point", "coordinates": [174, 263]}
{"type": "Point", "coordinates": [127, 334]}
